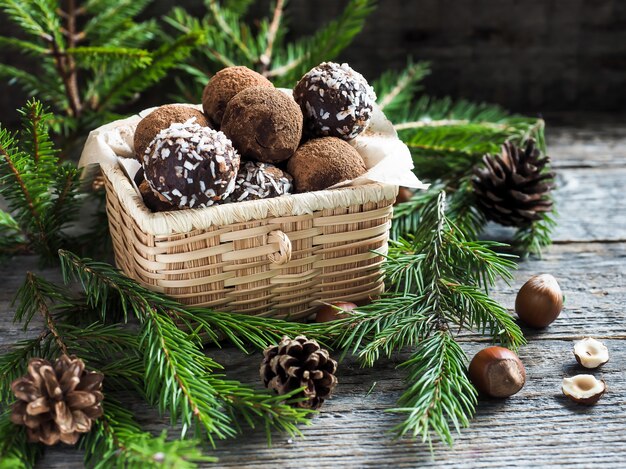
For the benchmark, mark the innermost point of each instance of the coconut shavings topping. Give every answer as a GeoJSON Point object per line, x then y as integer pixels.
{"type": "Point", "coordinates": [257, 180]}
{"type": "Point", "coordinates": [335, 100]}
{"type": "Point", "coordinates": [190, 165]}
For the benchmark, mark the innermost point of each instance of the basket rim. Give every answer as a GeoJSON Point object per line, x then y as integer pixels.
{"type": "Point", "coordinates": [184, 221]}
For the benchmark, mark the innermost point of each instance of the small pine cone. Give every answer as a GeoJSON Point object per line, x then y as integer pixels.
{"type": "Point", "coordinates": [298, 363]}
{"type": "Point", "coordinates": [57, 402]}
{"type": "Point", "coordinates": [513, 188]}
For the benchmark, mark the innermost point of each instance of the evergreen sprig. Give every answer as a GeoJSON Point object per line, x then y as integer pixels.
{"type": "Point", "coordinates": [15, 450]}
{"type": "Point", "coordinates": [438, 279]}
{"type": "Point", "coordinates": [179, 377]}
{"type": "Point", "coordinates": [261, 45]}
{"type": "Point", "coordinates": [41, 192]}
{"type": "Point", "coordinates": [89, 57]}
{"type": "Point", "coordinates": [447, 140]}
{"type": "Point", "coordinates": [116, 441]}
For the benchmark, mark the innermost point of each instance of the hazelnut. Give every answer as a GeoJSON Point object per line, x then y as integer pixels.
{"type": "Point", "coordinates": [583, 389]}
{"type": "Point", "coordinates": [540, 301]}
{"type": "Point", "coordinates": [591, 353]}
{"type": "Point", "coordinates": [497, 372]}
{"type": "Point", "coordinates": [404, 195]}
{"type": "Point", "coordinates": [334, 311]}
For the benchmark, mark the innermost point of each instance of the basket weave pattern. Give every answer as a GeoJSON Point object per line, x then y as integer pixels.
{"type": "Point", "coordinates": [279, 266]}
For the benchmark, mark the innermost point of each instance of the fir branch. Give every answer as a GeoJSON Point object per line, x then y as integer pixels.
{"type": "Point", "coordinates": [266, 57]}
{"type": "Point", "coordinates": [395, 89]}
{"type": "Point", "coordinates": [439, 394]}
{"type": "Point", "coordinates": [133, 81]}
{"type": "Point", "coordinates": [15, 450]}
{"type": "Point", "coordinates": [13, 363]}
{"type": "Point", "coordinates": [178, 376]}
{"type": "Point", "coordinates": [296, 59]}
{"type": "Point", "coordinates": [117, 441]}
{"type": "Point", "coordinates": [11, 239]}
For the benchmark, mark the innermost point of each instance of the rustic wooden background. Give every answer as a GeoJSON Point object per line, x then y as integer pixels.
{"type": "Point", "coordinates": [536, 427]}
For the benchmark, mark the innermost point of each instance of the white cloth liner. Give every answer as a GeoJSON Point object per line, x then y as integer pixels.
{"type": "Point", "coordinates": [387, 158]}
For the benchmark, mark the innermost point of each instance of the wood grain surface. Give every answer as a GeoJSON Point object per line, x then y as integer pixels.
{"type": "Point", "coordinates": [538, 426]}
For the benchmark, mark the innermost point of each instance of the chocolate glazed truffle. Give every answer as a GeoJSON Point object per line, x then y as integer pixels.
{"type": "Point", "coordinates": [264, 124]}
{"type": "Point", "coordinates": [161, 118]}
{"type": "Point", "coordinates": [260, 181]}
{"type": "Point", "coordinates": [335, 100]}
{"type": "Point", "coordinates": [191, 166]}
{"type": "Point", "coordinates": [324, 162]}
{"type": "Point", "coordinates": [223, 87]}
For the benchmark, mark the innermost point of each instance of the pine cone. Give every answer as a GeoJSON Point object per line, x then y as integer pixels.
{"type": "Point", "coordinates": [297, 363]}
{"type": "Point", "coordinates": [513, 188]}
{"type": "Point", "coordinates": [57, 403]}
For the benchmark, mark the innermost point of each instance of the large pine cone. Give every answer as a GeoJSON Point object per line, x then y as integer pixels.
{"type": "Point", "coordinates": [297, 363]}
{"type": "Point", "coordinates": [513, 188]}
{"type": "Point", "coordinates": [57, 403]}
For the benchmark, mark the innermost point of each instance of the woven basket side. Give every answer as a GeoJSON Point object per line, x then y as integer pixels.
{"type": "Point", "coordinates": [235, 267]}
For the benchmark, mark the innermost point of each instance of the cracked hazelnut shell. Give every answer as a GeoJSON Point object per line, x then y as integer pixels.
{"type": "Point", "coordinates": [591, 353]}
{"type": "Point", "coordinates": [329, 312]}
{"type": "Point", "coordinates": [583, 389]}
{"type": "Point", "coordinates": [540, 301]}
{"type": "Point", "coordinates": [497, 372]}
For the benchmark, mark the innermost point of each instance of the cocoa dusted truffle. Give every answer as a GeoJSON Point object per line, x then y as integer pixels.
{"type": "Point", "coordinates": [152, 200]}
{"type": "Point", "coordinates": [191, 166]}
{"type": "Point", "coordinates": [161, 118]}
{"type": "Point", "coordinates": [223, 87]}
{"type": "Point", "coordinates": [260, 181]}
{"type": "Point", "coordinates": [324, 162]}
{"type": "Point", "coordinates": [264, 124]}
{"type": "Point", "coordinates": [335, 100]}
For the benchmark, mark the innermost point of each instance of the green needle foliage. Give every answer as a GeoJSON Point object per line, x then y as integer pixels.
{"type": "Point", "coordinates": [179, 377]}
{"type": "Point", "coordinates": [438, 281]}
{"type": "Point", "coordinates": [447, 140]}
{"type": "Point", "coordinates": [261, 46]}
{"type": "Point", "coordinates": [116, 441]}
{"type": "Point", "coordinates": [15, 450]}
{"type": "Point", "coordinates": [41, 192]}
{"type": "Point", "coordinates": [89, 57]}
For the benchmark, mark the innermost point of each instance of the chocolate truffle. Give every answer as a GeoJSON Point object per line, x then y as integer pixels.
{"type": "Point", "coordinates": [335, 100]}
{"type": "Point", "coordinates": [152, 200]}
{"type": "Point", "coordinates": [324, 162]}
{"type": "Point", "coordinates": [224, 85]}
{"type": "Point", "coordinates": [191, 166]}
{"type": "Point", "coordinates": [264, 124]}
{"type": "Point", "coordinates": [260, 181]}
{"type": "Point", "coordinates": [161, 118]}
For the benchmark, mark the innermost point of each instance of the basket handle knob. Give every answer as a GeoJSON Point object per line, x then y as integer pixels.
{"type": "Point", "coordinates": [283, 255]}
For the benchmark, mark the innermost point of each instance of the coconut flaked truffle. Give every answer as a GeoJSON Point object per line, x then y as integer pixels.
{"type": "Point", "coordinates": [224, 85]}
{"type": "Point", "coordinates": [335, 100]}
{"type": "Point", "coordinates": [152, 200]}
{"type": "Point", "coordinates": [324, 162]}
{"type": "Point", "coordinates": [191, 166]}
{"type": "Point", "coordinates": [161, 118]}
{"type": "Point", "coordinates": [264, 124]}
{"type": "Point", "coordinates": [260, 181]}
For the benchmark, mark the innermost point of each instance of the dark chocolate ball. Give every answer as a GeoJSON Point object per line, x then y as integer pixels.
{"type": "Point", "coordinates": [223, 87]}
{"type": "Point", "coordinates": [161, 118]}
{"type": "Point", "coordinates": [335, 100]}
{"type": "Point", "coordinates": [264, 124]}
{"type": "Point", "coordinates": [153, 200]}
{"type": "Point", "coordinates": [324, 162]}
{"type": "Point", "coordinates": [260, 181]}
{"type": "Point", "coordinates": [191, 166]}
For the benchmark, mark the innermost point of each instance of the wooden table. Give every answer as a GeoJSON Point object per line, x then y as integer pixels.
{"type": "Point", "coordinates": [536, 427]}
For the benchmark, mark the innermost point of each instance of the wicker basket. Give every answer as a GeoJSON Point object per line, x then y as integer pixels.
{"type": "Point", "coordinates": [278, 257]}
